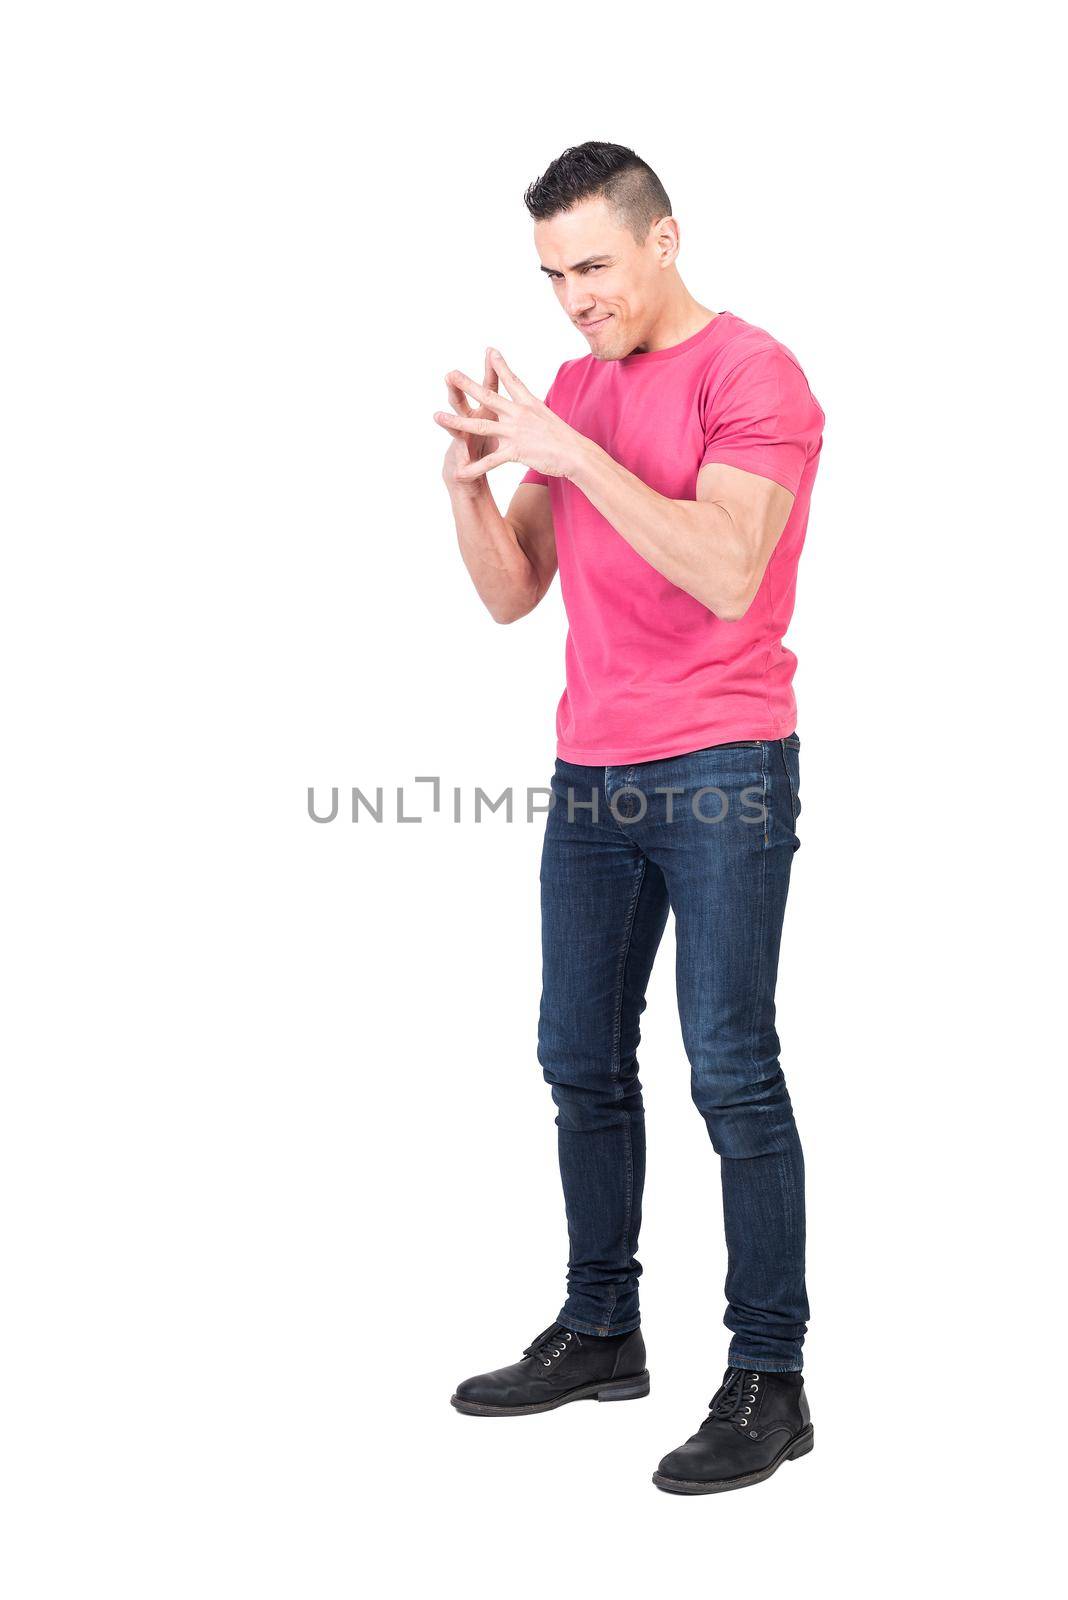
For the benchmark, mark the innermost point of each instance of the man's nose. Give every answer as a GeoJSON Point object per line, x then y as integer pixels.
{"type": "Point", "coordinates": [579, 301]}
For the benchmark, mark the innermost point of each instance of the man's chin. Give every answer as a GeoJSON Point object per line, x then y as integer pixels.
{"type": "Point", "coordinates": [600, 340]}
{"type": "Point", "coordinates": [610, 352]}
{"type": "Point", "coordinates": [607, 348]}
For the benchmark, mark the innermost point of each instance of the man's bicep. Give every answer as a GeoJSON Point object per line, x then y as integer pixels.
{"type": "Point", "coordinates": [530, 516]}
{"type": "Point", "coordinates": [759, 507]}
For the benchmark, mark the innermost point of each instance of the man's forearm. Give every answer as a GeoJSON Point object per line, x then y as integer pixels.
{"type": "Point", "coordinates": [500, 571]}
{"type": "Point", "coordinates": [694, 544]}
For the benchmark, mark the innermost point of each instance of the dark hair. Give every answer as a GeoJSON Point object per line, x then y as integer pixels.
{"type": "Point", "coordinates": [595, 168]}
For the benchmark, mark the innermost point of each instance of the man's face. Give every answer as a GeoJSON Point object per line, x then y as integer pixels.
{"type": "Point", "coordinates": [609, 284]}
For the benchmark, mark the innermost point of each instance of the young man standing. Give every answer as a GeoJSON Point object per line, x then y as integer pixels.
{"type": "Point", "coordinates": [670, 472]}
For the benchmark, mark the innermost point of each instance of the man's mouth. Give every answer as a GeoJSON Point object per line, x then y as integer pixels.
{"type": "Point", "coordinates": [595, 322]}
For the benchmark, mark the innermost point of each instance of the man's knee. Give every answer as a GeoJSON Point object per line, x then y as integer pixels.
{"type": "Point", "coordinates": [588, 1088]}
{"type": "Point", "coordinates": [746, 1114]}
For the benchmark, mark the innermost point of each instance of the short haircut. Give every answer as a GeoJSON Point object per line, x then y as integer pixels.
{"type": "Point", "coordinates": [584, 171]}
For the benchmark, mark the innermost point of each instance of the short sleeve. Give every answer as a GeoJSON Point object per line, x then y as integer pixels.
{"type": "Point", "coordinates": [764, 419]}
{"type": "Point", "coordinates": [530, 476]}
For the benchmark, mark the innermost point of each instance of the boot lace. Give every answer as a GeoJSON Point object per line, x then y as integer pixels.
{"type": "Point", "coordinates": [735, 1401]}
{"type": "Point", "coordinates": [550, 1345]}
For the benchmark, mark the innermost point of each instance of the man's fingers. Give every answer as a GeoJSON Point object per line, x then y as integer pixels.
{"type": "Point", "coordinates": [490, 379]}
{"type": "Point", "coordinates": [515, 386]}
{"type": "Point", "coordinates": [478, 391]}
{"type": "Point", "coordinates": [456, 400]}
{"type": "Point", "coordinates": [454, 424]}
{"type": "Point", "coordinates": [477, 469]}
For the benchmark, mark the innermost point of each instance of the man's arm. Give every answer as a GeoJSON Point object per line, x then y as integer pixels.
{"type": "Point", "coordinates": [511, 559]}
{"type": "Point", "coordinates": [716, 547]}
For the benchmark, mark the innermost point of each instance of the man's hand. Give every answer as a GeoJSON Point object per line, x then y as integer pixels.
{"type": "Point", "coordinates": [515, 427]}
{"type": "Point", "coordinates": [466, 449]}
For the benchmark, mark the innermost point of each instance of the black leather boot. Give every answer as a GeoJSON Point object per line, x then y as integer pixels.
{"type": "Point", "coordinates": [757, 1421]}
{"type": "Point", "coordinates": [558, 1366]}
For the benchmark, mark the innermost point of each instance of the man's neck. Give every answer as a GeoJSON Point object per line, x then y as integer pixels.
{"type": "Point", "coordinates": [678, 320]}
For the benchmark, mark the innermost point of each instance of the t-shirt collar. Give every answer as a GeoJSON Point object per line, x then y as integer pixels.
{"type": "Point", "coordinates": [672, 350]}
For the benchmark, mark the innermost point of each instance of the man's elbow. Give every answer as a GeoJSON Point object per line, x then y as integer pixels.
{"type": "Point", "coordinates": [734, 613]}
{"type": "Point", "coordinates": [732, 605]}
{"type": "Point", "coordinates": [513, 610]}
{"type": "Point", "coordinates": [734, 596]}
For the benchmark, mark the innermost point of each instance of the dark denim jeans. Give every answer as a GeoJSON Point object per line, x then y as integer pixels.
{"type": "Point", "coordinates": [711, 835]}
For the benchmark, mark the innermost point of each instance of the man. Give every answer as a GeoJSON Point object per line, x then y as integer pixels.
{"type": "Point", "coordinates": [669, 477]}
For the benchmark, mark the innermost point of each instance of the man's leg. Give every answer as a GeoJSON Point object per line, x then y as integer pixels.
{"type": "Point", "coordinates": [604, 909]}
{"type": "Point", "coordinates": [728, 881]}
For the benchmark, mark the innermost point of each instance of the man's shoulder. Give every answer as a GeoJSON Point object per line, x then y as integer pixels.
{"type": "Point", "coordinates": [569, 372]}
{"type": "Point", "coordinates": [756, 370]}
{"type": "Point", "coordinates": [571, 384]}
{"type": "Point", "coordinates": [745, 340]}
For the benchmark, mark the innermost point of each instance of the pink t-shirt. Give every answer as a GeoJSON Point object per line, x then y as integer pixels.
{"type": "Point", "coordinates": [651, 672]}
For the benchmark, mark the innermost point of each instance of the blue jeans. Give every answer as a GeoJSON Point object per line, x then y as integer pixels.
{"type": "Point", "coordinates": [710, 834]}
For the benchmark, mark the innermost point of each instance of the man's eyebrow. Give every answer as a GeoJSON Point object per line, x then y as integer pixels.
{"type": "Point", "coordinates": [578, 265]}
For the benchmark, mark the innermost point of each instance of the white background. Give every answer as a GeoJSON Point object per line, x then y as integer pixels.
{"type": "Point", "coordinates": [278, 1163]}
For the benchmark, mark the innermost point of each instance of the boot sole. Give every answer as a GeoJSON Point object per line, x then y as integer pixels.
{"type": "Point", "coordinates": [635, 1388]}
{"type": "Point", "coordinates": [800, 1446]}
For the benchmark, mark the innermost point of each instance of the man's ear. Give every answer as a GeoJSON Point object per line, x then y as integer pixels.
{"type": "Point", "coordinates": [666, 241]}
